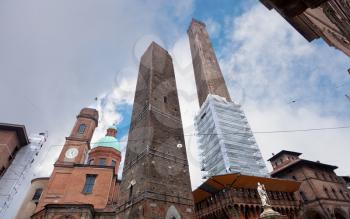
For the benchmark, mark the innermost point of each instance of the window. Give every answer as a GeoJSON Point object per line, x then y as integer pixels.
{"type": "Point", "coordinates": [326, 191]}
{"type": "Point", "coordinates": [89, 183]}
{"type": "Point", "coordinates": [130, 191]}
{"type": "Point", "coordinates": [113, 163]}
{"type": "Point", "coordinates": [165, 99]}
{"type": "Point", "coordinates": [37, 194]}
{"type": "Point", "coordinates": [342, 194]}
{"type": "Point", "coordinates": [303, 196]}
{"type": "Point", "coordinates": [82, 128]}
{"type": "Point", "coordinates": [335, 193]}
{"type": "Point", "coordinates": [316, 175]}
{"type": "Point", "coordinates": [102, 161]}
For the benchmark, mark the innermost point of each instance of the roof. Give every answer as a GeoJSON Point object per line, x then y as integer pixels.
{"type": "Point", "coordinates": [20, 131]}
{"type": "Point", "coordinates": [40, 179]}
{"type": "Point", "coordinates": [284, 152]}
{"type": "Point", "coordinates": [235, 180]}
{"type": "Point", "coordinates": [303, 162]}
{"type": "Point", "coordinates": [108, 141]}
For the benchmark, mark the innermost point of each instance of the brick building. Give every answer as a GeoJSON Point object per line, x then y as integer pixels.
{"type": "Point", "coordinates": [322, 192]}
{"type": "Point", "coordinates": [156, 181]}
{"type": "Point", "coordinates": [12, 138]}
{"type": "Point", "coordinates": [18, 155]}
{"type": "Point", "coordinates": [313, 19]}
{"type": "Point", "coordinates": [232, 196]}
{"type": "Point", "coordinates": [83, 184]}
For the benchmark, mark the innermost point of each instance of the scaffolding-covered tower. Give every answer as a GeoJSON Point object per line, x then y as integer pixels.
{"type": "Point", "coordinates": [226, 141]}
{"type": "Point", "coordinates": [16, 179]}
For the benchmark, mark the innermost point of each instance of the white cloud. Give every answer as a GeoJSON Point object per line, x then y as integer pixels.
{"type": "Point", "coordinates": [212, 27]}
{"type": "Point", "coordinates": [188, 103]}
{"type": "Point", "coordinates": [269, 64]}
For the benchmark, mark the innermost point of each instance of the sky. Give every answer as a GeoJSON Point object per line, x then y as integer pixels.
{"type": "Point", "coordinates": [57, 57]}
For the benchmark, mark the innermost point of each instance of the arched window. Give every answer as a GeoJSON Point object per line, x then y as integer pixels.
{"type": "Point", "coordinates": [335, 193]}
{"type": "Point", "coordinates": [342, 194]}
{"type": "Point", "coordinates": [82, 128]}
{"type": "Point", "coordinates": [113, 163]}
{"type": "Point", "coordinates": [326, 191]}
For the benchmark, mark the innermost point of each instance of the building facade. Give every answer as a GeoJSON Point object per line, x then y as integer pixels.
{"type": "Point", "coordinates": [156, 181]}
{"type": "Point", "coordinates": [323, 194]}
{"type": "Point", "coordinates": [83, 184]}
{"type": "Point", "coordinates": [226, 141]}
{"type": "Point", "coordinates": [313, 19]}
{"type": "Point", "coordinates": [18, 155]}
{"type": "Point", "coordinates": [32, 198]}
{"type": "Point", "coordinates": [234, 196]}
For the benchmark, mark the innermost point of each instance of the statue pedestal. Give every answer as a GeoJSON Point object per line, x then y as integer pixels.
{"type": "Point", "coordinates": [269, 213]}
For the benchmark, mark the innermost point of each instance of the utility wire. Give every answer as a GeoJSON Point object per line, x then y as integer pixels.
{"type": "Point", "coordinates": [232, 133]}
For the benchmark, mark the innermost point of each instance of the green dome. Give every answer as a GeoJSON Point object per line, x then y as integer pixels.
{"type": "Point", "coordinates": [108, 141]}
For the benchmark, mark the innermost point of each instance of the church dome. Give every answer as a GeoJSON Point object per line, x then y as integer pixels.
{"type": "Point", "coordinates": [109, 140]}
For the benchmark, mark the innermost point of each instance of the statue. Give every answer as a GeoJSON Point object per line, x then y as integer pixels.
{"type": "Point", "coordinates": [268, 212]}
{"type": "Point", "coordinates": [263, 195]}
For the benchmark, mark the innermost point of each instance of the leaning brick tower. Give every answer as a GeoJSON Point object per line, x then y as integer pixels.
{"type": "Point", "coordinates": [156, 181]}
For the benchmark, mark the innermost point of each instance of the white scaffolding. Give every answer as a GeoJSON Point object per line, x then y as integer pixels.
{"type": "Point", "coordinates": [19, 172]}
{"type": "Point", "coordinates": [226, 142]}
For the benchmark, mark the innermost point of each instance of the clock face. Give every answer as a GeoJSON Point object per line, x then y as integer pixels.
{"type": "Point", "coordinates": [71, 153]}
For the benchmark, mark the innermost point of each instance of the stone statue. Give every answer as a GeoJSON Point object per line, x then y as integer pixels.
{"type": "Point", "coordinates": [268, 212]}
{"type": "Point", "coordinates": [263, 195]}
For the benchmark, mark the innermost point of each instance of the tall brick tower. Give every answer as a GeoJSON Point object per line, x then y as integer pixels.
{"type": "Point", "coordinates": [156, 181]}
{"type": "Point", "coordinates": [232, 147]}
{"type": "Point", "coordinates": [209, 79]}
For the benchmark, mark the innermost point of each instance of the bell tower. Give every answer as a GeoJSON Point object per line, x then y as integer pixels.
{"type": "Point", "coordinates": [78, 143]}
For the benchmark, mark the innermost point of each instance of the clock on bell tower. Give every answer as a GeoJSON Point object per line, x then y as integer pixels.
{"type": "Point", "coordinates": [78, 143]}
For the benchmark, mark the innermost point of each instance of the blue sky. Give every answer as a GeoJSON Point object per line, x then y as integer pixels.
{"type": "Point", "coordinates": [57, 56]}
